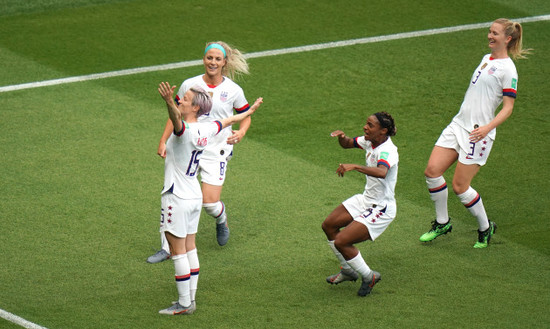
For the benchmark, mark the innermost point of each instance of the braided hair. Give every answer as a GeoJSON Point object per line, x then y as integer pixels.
{"type": "Point", "coordinates": [386, 121]}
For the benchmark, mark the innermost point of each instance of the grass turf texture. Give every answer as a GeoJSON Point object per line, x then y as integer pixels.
{"type": "Point", "coordinates": [80, 178]}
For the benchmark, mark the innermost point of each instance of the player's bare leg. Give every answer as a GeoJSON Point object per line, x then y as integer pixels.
{"type": "Point", "coordinates": [338, 219]}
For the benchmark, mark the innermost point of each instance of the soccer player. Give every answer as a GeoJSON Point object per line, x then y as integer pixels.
{"type": "Point", "coordinates": [222, 63]}
{"type": "Point", "coordinates": [181, 198]}
{"type": "Point", "coordinates": [470, 135]}
{"type": "Point", "coordinates": [364, 216]}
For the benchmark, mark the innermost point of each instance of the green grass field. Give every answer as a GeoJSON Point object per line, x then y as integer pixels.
{"type": "Point", "coordinates": [80, 179]}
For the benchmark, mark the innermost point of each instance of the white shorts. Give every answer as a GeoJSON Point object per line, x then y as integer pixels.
{"type": "Point", "coordinates": [212, 166]}
{"type": "Point", "coordinates": [457, 138]}
{"type": "Point", "coordinates": [179, 216]}
{"type": "Point", "coordinates": [374, 217]}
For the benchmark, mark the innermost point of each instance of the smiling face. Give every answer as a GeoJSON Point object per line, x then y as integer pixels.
{"type": "Point", "coordinates": [214, 62]}
{"type": "Point", "coordinates": [498, 41]}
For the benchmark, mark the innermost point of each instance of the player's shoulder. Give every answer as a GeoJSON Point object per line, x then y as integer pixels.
{"type": "Point", "coordinates": [388, 146]}
{"type": "Point", "coordinates": [228, 83]}
{"type": "Point", "coordinates": [196, 80]}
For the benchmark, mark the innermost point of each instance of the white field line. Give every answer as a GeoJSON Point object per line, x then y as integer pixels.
{"type": "Point", "coordinates": [19, 321]}
{"type": "Point", "coordinates": [266, 53]}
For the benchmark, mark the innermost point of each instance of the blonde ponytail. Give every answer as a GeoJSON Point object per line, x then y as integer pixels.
{"type": "Point", "coordinates": [514, 30]}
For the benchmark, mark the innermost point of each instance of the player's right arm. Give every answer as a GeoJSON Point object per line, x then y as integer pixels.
{"type": "Point", "coordinates": [167, 93]}
{"type": "Point", "coordinates": [343, 140]}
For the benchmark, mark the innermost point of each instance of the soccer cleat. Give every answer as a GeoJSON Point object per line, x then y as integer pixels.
{"type": "Point", "coordinates": [159, 256]}
{"type": "Point", "coordinates": [222, 233]}
{"type": "Point", "coordinates": [343, 275]}
{"type": "Point", "coordinates": [177, 309]}
{"type": "Point", "coordinates": [437, 230]}
{"type": "Point", "coordinates": [484, 237]}
{"type": "Point", "coordinates": [192, 308]}
{"type": "Point", "coordinates": [368, 283]}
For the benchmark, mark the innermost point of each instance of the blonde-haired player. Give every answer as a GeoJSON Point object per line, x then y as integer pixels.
{"type": "Point", "coordinates": [222, 63]}
{"type": "Point", "coordinates": [469, 137]}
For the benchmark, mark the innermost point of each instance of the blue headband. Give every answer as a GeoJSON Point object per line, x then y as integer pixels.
{"type": "Point", "coordinates": [217, 46]}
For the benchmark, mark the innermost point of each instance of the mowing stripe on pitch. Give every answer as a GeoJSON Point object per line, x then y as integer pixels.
{"type": "Point", "coordinates": [19, 320]}
{"type": "Point", "coordinates": [266, 53]}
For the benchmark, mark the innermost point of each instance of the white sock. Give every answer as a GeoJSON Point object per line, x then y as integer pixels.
{"type": "Point", "coordinates": [216, 210]}
{"type": "Point", "coordinates": [439, 194]}
{"type": "Point", "coordinates": [472, 201]}
{"type": "Point", "coordinates": [341, 259]}
{"type": "Point", "coordinates": [183, 273]}
{"type": "Point", "coordinates": [360, 266]}
{"type": "Point", "coordinates": [193, 258]}
{"type": "Point", "coordinates": [164, 242]}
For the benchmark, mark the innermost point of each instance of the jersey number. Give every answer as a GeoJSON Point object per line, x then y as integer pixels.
{"type": "Point", "coordinates": [477, 77]}
{"type": "Point", "coordinates": [193, 163]}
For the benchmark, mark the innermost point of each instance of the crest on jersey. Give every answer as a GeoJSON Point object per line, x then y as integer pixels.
{"type": "Point", "coordinates": [223, 96]}
{"type": "Point", "coordinates": [492, 70]}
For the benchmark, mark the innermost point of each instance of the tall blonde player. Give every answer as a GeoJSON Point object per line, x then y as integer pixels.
{"type": "Point", "coordinates": [222, 63]}
{"type": "Point", "coordinates": [470, 135]}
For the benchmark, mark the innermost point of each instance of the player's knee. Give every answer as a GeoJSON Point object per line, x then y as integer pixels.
{"type": "Point", "coordinates": [214, 209]}
{"type": "Point", "coordinates": [460, 187]}
{"type": "Point", "coordinates": [431, 172]}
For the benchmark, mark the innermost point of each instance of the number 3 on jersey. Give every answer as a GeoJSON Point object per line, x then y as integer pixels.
{"type": "Point", "coordinates": [193, 163]}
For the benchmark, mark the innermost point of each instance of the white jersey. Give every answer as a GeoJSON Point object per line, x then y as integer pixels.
{"type": "Point", "coordinates": [183, 152]}
{"type": "Point", "coordinates": [380, 191]}
{"type": "Point", "coordinates": [492, 79]}
{"type": "Point", "coordinates": [226, 97]}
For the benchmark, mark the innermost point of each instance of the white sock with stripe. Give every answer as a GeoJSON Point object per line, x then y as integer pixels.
{"type": "Point", "coordinates": [439, 194]}
{"type": "Point", "coordinates": [183, 274]}
{"type": "Point", "coordinates": [193, 258]}
{"type": "Point", "coordinates": [472, 201]}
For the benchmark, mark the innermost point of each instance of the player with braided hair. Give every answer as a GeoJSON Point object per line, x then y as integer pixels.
{"type": "Point", "coordinates": [364, 216]}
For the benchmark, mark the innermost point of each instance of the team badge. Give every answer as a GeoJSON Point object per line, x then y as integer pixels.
{"type": "Point", "coordinates": [492, 70]}
{"type": "Point", "coordinates": [223, 96]}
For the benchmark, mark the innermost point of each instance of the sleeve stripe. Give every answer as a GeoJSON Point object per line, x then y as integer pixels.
{"type": "Point", "coordinates": [384, 163]}
{"type": "Point", "coordinates": [179, 133]}
{"type": "Point", "coordinates": [509, 92]}
{"type": "Point", "coordinates": [242, 109]}
{"type": "Point", "coordinates": [355, 144]}
{"type": "Point", "coordinates": [219, 125]}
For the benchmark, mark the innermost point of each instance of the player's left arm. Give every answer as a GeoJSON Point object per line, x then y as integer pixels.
{"type": "Point", "coordinates": [241, 117]}
{"type": "Point", "coordinates": [379, 171]}
{"type": "Point", "coordinates": [507, 108]}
